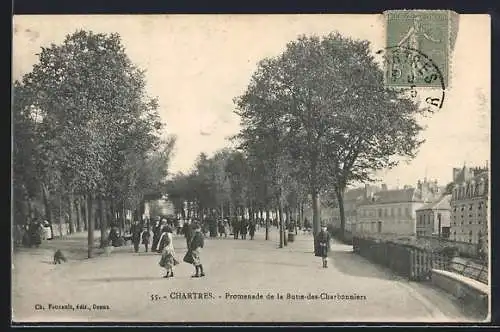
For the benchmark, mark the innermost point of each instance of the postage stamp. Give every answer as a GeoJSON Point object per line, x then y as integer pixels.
{"type": "Point", "coordinates": [419, 34]}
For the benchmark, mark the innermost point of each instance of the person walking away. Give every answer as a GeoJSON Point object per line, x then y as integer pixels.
{"type": "Point", "coordinates": [324, 244]}
{"type": "Point", "coordinates": [197, 243]}
{"type": "Point", "coordinates": [168, 260]}
{"type": "Point", "coordinates": [145, 235]}
{"type": "Point", "coordinates": [135, 231]}
{"type": "Point", "coordinates": [251, 229]}
{"type": "Point", "coordinates": [188, 232]}
{"type": "Point", "coordinates": [244, 229]}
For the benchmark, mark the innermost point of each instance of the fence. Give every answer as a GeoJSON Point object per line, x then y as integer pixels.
{"type": "Point", "coordinates": [465, 248]}
{"type": "Point", "coordinates": [414, 263]}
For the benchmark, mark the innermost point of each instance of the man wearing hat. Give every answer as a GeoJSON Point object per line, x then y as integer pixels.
{"type": "Point", "coordinates": [195, 246]}
{"type": "Point", "coordinates": [324, 244]}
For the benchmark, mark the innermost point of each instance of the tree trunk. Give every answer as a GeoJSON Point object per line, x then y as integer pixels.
{"type": "Point", "coordinates": [267, 224]}
{"type": "Point", "coordinates": [340, 199]}
{"type": "Point", "coordinates": [280, 216]}
{"type": "Point", "coordinates": [46, 203]}
{"type": "Point", "coordinates": [78, 215]}
{"type": "Point", "coordinates": [60, 218]}
{"type": "Point", "coordinates": [316, 212]}
{"type": "Point", "coordinates": [103, 221]}
{"type": "Point", "coordinates": [72, 214]}
{"type": "Point", "coordinates": [301, 214]}
{"type": "Point", "coordinates": [90, 225]}
{"type": "Point", "coordinates": [85, 213]}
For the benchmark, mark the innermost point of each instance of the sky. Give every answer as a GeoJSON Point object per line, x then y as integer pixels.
{"type": "Point", "coordinates": [197, 64]}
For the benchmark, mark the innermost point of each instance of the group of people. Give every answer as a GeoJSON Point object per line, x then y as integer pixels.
{"type": "Point", "coordinates": [162, 242]}
{"type": "Point", "coordinates": [242, 227]}
{"type": "Point", "coordinates": [32, 233]}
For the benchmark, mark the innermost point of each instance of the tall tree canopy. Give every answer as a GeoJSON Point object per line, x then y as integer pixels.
{"type": "Point", "coordinates": [95, 134]}
{"type": "Point", "coordinates": [322, 105]}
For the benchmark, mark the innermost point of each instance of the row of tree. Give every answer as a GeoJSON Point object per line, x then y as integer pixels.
{"type": "Point", "coordinates": [88, 142]}
{"type": "Point", "coordinates": [231, 184]}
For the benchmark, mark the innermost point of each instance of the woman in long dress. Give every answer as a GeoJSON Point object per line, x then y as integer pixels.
{"type": "Point", "coordinates": [168, 260]}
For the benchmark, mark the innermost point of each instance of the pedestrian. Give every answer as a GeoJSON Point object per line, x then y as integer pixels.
{"type": "Point", "coordinates": [188, 231]}
{"type": "Point", "coordinates": [135, 231]}
{"type": "Point", "coordinates": [244, 229]}
{"type": "Point", "coordinates": [324, 244]}
{"type": "Point", "coordinates": [113, 236]}
{"type": "Point", "coordinates": [145, 235]}
{"type": "Point", "coordinates": [236, 227]}
{"type": "Point", "coordinates": [168, 260]}
{"type": "Point", "coordinates": [222, 228]}
{"type": "Point", "coordinates": [162, 242]}
{"type": "Point", "coordinates": [35, 233]}
{"type": "Point", "coordinates": [251, 229]}
{"type": "Point", "coordinates": [195, 246]}
{"type": "Point", "coordinates": [156, 232]}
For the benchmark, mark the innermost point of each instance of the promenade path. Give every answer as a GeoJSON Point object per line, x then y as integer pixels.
{"type": "Point", "coordinates": [130, 284]}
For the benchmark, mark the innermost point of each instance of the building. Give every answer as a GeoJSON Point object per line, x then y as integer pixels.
{"type": "Point", "coordinates": [469, 207]}
{"type": "Point", "coordinates": [433, 219]}
{"type": "Point", "coordinates": [394, 211]}
{"type": "Point", "coordinates": [352, 199]}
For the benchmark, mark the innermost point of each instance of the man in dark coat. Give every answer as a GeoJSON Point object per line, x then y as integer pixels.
{"type": "Point", "coordinates": [236, 227]}
{"type": "Point", "coordinates": [195, 246]}
{"type": "Point", "coordinates": [135, 231]}
{"type": "Point", "coordinates": [244, 229]}
{"type": "Point", "coordinates": [324, 244]}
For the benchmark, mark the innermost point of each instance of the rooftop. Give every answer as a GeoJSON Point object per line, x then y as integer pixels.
{"type": "Point", "coordinates": [394, 196]}
{"type": "Point", "coordinates": [443, 203]}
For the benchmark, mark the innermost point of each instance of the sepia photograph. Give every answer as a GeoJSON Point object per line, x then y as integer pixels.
{"type": "Point", "coordinates": [321, 168]}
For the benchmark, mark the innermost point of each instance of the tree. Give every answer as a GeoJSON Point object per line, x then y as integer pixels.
{"type": "Point", "coordinates": [336, 121]}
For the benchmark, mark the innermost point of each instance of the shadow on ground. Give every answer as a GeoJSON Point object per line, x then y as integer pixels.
{"type": "Point", "coordinates": [347, 262]}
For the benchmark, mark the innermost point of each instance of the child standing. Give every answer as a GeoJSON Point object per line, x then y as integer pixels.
{"type": "Point", "coordinates": [324, 244]}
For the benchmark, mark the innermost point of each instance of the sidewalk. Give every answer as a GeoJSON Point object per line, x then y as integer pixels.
{"type": "Point", "coordinates": [128, 282]}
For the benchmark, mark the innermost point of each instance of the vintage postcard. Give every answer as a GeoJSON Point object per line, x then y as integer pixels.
{"type": "Point", "coordinates": [251, 168]}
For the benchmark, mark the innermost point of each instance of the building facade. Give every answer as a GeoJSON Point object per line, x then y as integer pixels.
{"type": "Point", "coordinates": [394, 211]}
{"type": "Point", "coordinates": [433, 219]}
{"type": "Point", "coordinates": [469, 208]}
{"type": "Point", "coordinates": [352, 199]}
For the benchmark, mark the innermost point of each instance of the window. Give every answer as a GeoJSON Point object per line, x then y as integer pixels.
{"type": "Point", "coordinates": [380, 212]}
{"type": "Point", "coordinates": [407, 211]}
{"type": "Point", "coordinates": [470, 207]}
